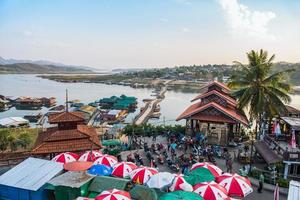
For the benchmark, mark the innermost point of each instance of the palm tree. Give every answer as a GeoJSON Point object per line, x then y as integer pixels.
{"type": "Point", "coordinates": [258, 89]}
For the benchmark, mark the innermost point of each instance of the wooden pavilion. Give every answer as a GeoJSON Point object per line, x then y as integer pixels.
{"type": "Point", "coordinates": [215, 114]}
{"type": "Point", "coordinates": [70, 135]}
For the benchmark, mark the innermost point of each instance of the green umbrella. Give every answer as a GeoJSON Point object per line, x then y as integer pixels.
{"type": "Point", "coordinates": [199, 175]}
{"type": "Point", "coordinates": [180, 195]}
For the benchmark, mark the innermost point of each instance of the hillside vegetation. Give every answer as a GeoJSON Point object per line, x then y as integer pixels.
{"type": "Point", "coordinates": [29, 68]}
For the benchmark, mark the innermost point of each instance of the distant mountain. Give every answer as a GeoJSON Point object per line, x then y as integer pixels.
{"type": "Point", "coordinates": [41, 62]}
{"type": "Point", "coordinates": [30, 68]}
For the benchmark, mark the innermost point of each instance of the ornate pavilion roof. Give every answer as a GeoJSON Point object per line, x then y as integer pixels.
{"type": "Point", "coordinates": [66, 117]}
{"type": "Point", "coordinates": [56, 141]}
{"type": "Point", "coordinates": [215, 106]}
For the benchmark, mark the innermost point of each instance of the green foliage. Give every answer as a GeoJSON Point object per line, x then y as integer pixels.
{"type": "Point", "coordinates": [4, 139]}
{"type": "Point", "coordinates": [149, 129]}
{"type": "Point", "coordinates": [13, 138]}
{"type": "Point", "coordinates": [257, 88]}
{"type": "Point", "coordinates": [283, 182]}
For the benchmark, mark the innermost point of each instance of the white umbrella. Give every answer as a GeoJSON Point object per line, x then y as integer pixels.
{"type": "Point", "coordinates": [160, 180]}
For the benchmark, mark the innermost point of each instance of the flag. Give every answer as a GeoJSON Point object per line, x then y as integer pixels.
{"type": "Point", "coordinates": [293, 140]}
{"type": "Point", "coordinates": [276, 192]}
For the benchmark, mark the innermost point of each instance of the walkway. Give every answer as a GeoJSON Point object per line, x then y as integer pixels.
{"type": "Point", "coordinates": [150, 106]}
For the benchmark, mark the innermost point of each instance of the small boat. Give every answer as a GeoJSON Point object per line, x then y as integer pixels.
{"type": "Point", "coordinates": [33, 117]}
{"type": "Point", "coordinates": [147, 100]}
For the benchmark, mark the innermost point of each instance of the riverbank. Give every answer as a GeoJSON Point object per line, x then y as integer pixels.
{"type": "Point", "coordinates": [185, 86]}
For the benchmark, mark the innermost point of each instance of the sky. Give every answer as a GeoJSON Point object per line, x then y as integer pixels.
{"type": "Point", "coordinates": [148, 33]}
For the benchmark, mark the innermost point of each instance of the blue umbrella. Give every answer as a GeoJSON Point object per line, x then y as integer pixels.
{"type": "Point", "coordinates": [100, 170]}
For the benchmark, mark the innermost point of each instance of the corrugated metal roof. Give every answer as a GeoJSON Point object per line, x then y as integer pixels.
{"type": "Point", "coordinates": [294, 191]}
{"type": "Point", "coordinates": [72, 179]}
{"type": "Point", "coordinates": [31, 174]}
{"type": "Point", "coordinates": [292, 121]}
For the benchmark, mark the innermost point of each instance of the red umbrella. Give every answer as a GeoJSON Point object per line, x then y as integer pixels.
{"type": "Point", "coordinates": [211, 191]}
{"type": "Point", "coordinates": [90, 155]}
{"type": "Point", "coordinates": [180, 184]}
{"type": "Point", "coordinates": [78, 166]}
{"type": "Point", "coordinates": [123, 169]}
{"type": "Point", "coordinates": [66, 157]}
{"type": "Point", "coordinates": [107, 160]}
{"type": "Point", "coordinates": [235, 184]}
{"type": "Point", "coordinates": [142, 174]}
{"type": "Point", "coordinates": [113, 194]}
{"type": "Point", "coordinates": [216, 171]}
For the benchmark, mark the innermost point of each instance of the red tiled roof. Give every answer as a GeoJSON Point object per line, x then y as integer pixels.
{"type": "Point", "coordinates": [197, 107]}
{"type": "Point", "coordinates": [66, 117]}
{"type": "Point", "coordinates": [55, 141]}
{"type": "Point", "coordinates": [229, 99]}
{"type": "Point", "coordinates": [222, 85]}
{"type": "Point", "coordinates": [210, 118]}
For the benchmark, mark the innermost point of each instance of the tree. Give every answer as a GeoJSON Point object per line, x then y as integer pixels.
{"type": "Point", "coordinates": [259, 90]}
{"type": "Point", "coordinates": [4, 139]}
{"type": "Point", "coordinates": [24, 140]}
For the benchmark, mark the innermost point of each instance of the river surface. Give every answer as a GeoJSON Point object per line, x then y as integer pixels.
{"type": "Point", "coordinates": [14, 86]}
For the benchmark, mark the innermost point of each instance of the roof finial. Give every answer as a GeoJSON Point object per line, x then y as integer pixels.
{"type": "Point", "coordinates": [67, 101]}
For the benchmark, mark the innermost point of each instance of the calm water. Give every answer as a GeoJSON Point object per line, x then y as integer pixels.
{"type": "Point", "coordinates": [14, 86]}
{"type": "Point", "coordinates": [29, 85]}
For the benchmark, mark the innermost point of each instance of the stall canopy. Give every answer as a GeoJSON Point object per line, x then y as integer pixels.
{"type": "Point", "coordinates": [101, 183]}
{"type": "Point", "coordinates": [28, 179]}
{"type": "Point", "coordinates": [268, 154]}
{"type": "Point", "coordinates": [293, 122]}
{"type": "Point", "coordinates": [143, 192]}
{"type": "Point", "coordinates": [70, 185]}
{"type": "Point", "coordinates": [294, 190]}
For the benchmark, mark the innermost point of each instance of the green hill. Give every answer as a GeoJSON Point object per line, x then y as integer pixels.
{"type": "Point", "coordinates": [29, 68]}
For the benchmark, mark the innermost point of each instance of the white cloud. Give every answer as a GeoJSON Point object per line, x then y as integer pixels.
{"type": "Point", "coordinates": [27, 33]}
{"type": "Point", "coordinates": [245, 22]}
{"type": "Point", "coordinates": [185, 30]}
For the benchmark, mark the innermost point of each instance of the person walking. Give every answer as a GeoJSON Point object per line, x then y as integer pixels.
{"type": "Point", "coordinates": [261, 183]}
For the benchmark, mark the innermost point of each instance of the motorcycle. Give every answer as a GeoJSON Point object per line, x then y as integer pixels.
{"type": "Point", "coordinates": [174, 167]}
{"type": "Point", "coordinates": [160, 159]}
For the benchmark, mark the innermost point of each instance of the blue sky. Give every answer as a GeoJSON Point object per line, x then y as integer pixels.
{"type": "Point", "coordinates": [148, 33]}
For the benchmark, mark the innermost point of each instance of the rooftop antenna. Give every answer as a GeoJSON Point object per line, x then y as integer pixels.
{"type": "Point", "coordinates": [67, 101]}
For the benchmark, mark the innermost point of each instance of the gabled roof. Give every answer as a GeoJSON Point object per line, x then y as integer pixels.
{"type": "Point", "coordinates": [55, 141]}
{"type": "Point", "coordinates": [229, 99]}
{"type": "Point", "coordinates": [222, 85]}
{"type": "Point", "coordinates": [198, 107]}
{"type": "Point", "coordinates": [31, 174]}
{"type": "Point", "coordinates": [66, 117]}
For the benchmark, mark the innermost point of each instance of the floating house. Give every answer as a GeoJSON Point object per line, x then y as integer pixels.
{"type": "Point", "coordinates": [70, 185]}
{"type": "Point", "coordinates": [215, 114]}
{"type": "Point", "coordinates": [69, 135]}
{"type": "Point", "coordinates": [27, 180]}
{"type": "Point", "coordinates": [88, 111]}
{"type": "Point", "coordinates": [119, 103]}
{"type": "Point", "coordinates": [12, 122]}
{"type": "Point", "coordinates": [34, 103]}
{"type": "Point", "coordinates": [114, 115]}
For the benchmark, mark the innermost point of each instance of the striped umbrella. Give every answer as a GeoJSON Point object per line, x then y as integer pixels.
{"type": "Point", "coordinates": [179, 183]}
{"type": "Point", "coordinates": [235, 184]}
{"type": "Point", "coordinates": [113, 194]}
{"type": "Point", "coordinates": [216, 171]}
{"type": "Point", "coordinates": [106, 160]}
{"type": "Point", "coordinates": [211, 190]}
{"type": "Point", "coordinates": [65, 157]}
{"type": "Point", "coordinates": [123, 169]}
{"type": "Point", "coordinates": [90, 156]}
{"type": "Point", "coordinates": [142, 174]}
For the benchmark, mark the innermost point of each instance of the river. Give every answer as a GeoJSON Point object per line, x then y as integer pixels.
{"type": "Point", "coordinates": [15, 86]}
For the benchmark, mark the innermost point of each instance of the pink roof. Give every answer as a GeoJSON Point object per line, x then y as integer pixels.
{"type": "Point", "coordinates": [228, 99]}
{"type": "Point", "coordinates": [198, 107]}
